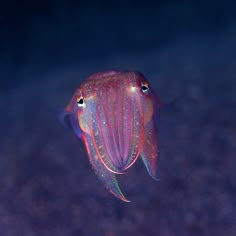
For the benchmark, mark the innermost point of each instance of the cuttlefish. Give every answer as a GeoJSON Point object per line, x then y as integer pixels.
{"type": "Point", "coordinates": [114, 113]}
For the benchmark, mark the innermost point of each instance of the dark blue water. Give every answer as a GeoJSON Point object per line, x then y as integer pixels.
{"type": "Point", "coordinates": [187, 50]}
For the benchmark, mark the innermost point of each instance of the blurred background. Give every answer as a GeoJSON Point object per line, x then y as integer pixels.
{"type": "Point", "coordinates": [186, 49]}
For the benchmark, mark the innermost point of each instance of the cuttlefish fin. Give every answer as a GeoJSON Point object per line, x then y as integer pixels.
{"type": "Point", "coordinates": [70, 121]}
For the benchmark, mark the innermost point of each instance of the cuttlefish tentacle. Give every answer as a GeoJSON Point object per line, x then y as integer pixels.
{"type": "Point", "coordinates": [107, 177]}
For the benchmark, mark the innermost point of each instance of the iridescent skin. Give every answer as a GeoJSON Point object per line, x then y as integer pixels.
{"type": "Point", "coordinates": [113, 113]}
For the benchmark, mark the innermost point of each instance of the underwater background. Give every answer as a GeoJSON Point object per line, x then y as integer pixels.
{"type": "Point", "coordinates": [187, 51]}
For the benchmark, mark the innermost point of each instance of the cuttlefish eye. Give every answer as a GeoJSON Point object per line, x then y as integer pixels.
{"type": "Point", "coordinates": [80, 101]}
{"type": "Point", "coordinates": [144, 87]}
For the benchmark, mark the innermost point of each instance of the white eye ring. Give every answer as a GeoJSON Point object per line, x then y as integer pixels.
{"type": "Point", "coordinates": [80, 102]}
{"type": "Point", "coordinates": [144, 88]}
